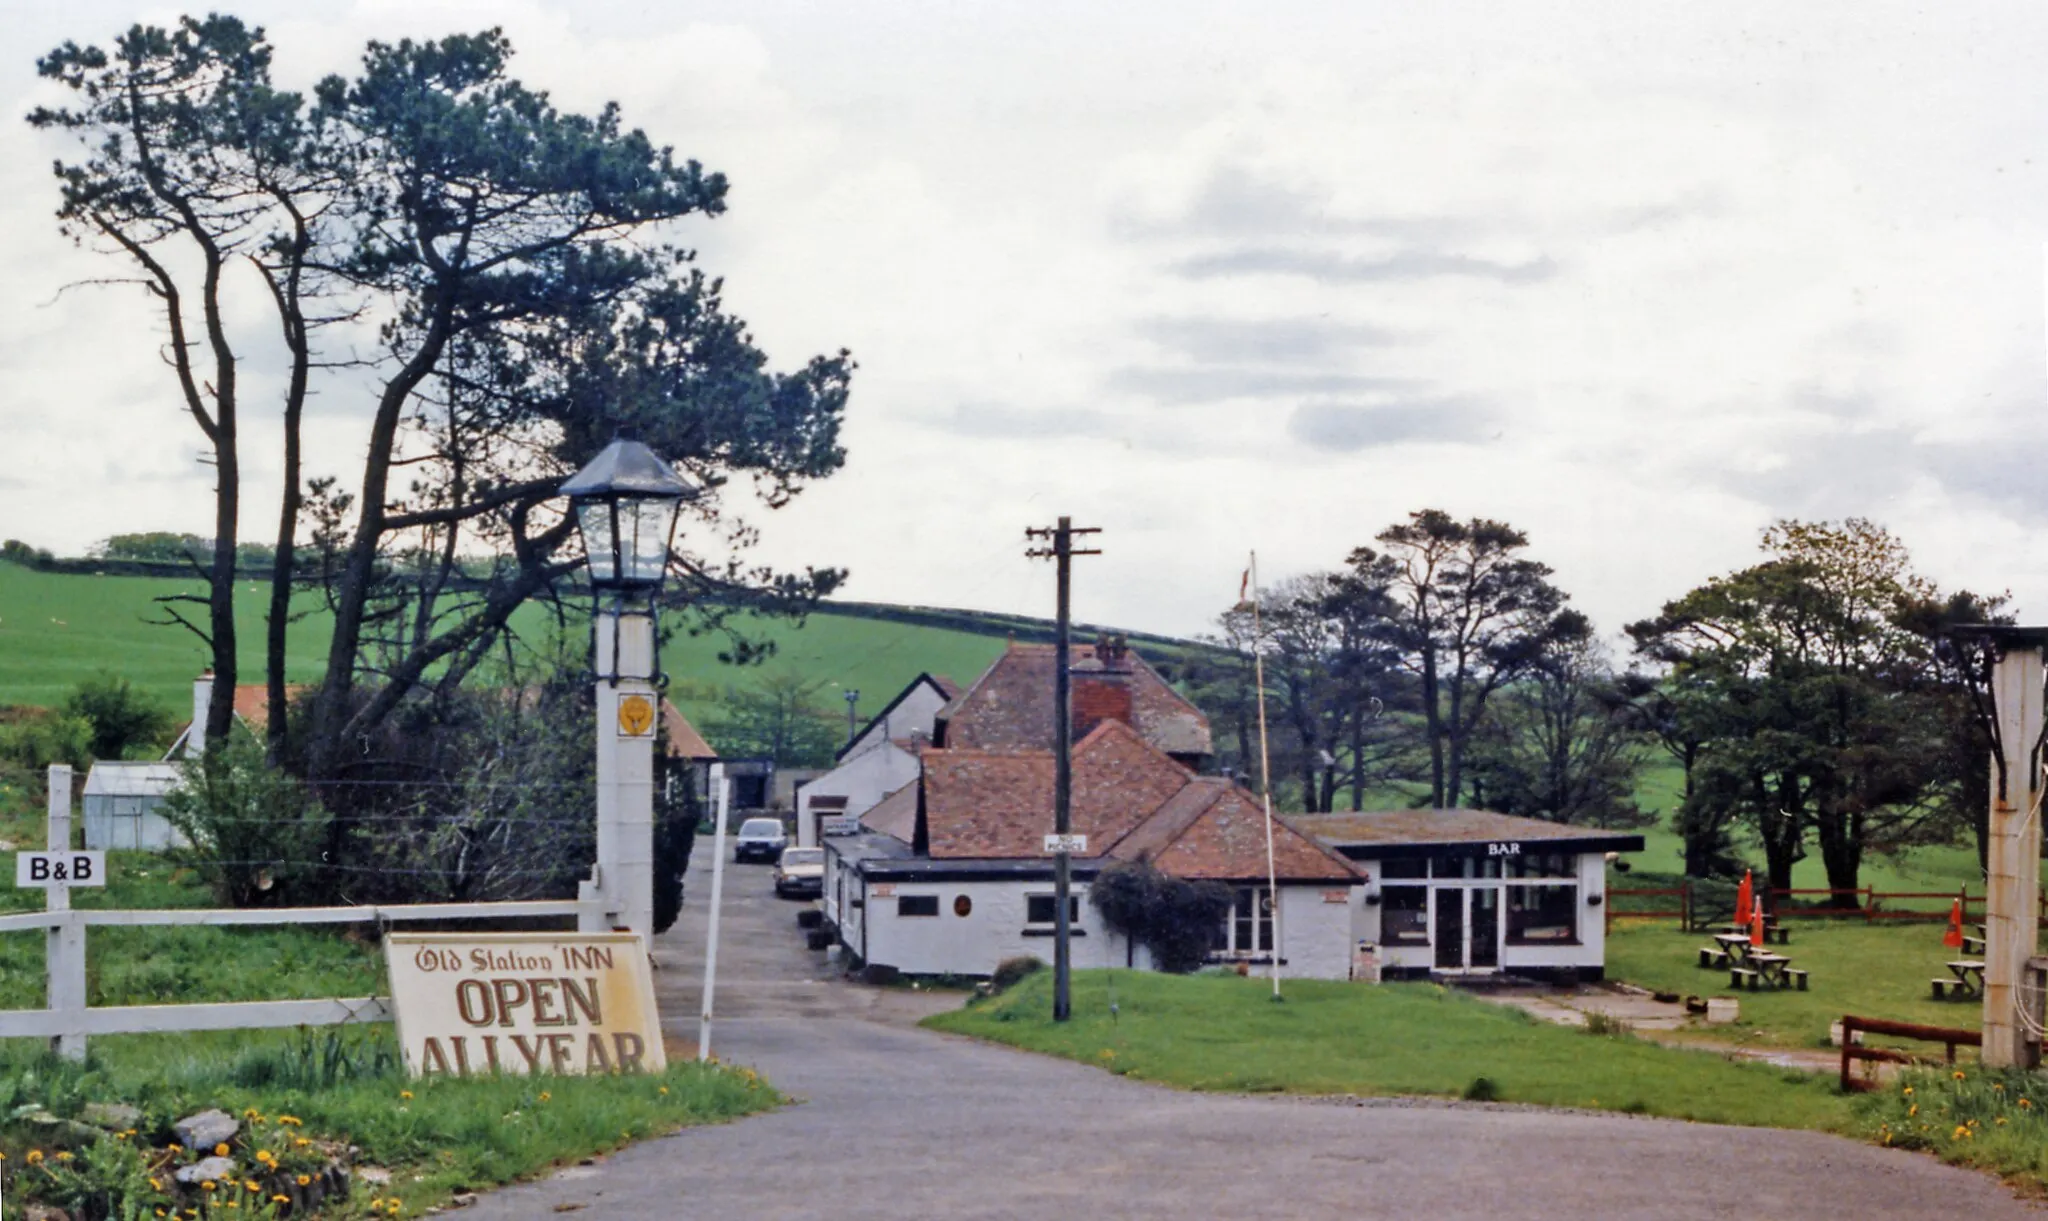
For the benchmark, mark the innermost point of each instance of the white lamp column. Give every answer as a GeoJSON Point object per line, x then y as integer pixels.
{"type": "Point", "coordinates": [626, 721]}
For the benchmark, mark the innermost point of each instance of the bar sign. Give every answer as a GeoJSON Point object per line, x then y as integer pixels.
{"type": "Point", "coordinates": [1074, 845]}
{"type": "Point", "coordinates": [46, 869]}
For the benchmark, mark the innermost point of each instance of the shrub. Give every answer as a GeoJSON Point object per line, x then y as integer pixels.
{"type": "Point", "coordinates": [1174, 918]}
{"type": "Point", "coordinates": [120, 715]}
{"type": "Point", "coordinates": [1012, 971]}
{"type": "Point", "coordinates": [1482, 1089]}
{"type": "Point", "coordinates": [37, 739]}
{"type": "Point", "coordinates": [252, 832]}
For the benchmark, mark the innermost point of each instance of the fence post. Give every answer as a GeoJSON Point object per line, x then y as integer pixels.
{"type": "Point", "coordinates": [64, 943]}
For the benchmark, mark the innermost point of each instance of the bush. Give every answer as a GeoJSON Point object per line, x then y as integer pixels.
{"type": "Point", "coordinates": [1012, 971]}
{"type": "Point", "coordinates": [252, 832]}
{"type": "Point", "coordinates": [120, 715]}
{"type": "Point", "coordinates": [37, 739]}
{"type": "Point", "coordinates": [1174, 918]}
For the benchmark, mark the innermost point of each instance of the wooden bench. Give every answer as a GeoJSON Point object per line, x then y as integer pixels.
{"type": "Point", "coordinates": [1973, 945]}
{"type": "Point", "coordinates": [1797, 976]}
{"type": "Point", "coordinates": [1952, 988]}
{"type": "Point", "coordinates": [1713, 956]}
{"type": "Point", "coordinates": [1743, 977]}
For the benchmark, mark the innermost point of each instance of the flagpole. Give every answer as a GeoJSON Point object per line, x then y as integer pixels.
{"type": "Point", "coordinates": [1265, 773]}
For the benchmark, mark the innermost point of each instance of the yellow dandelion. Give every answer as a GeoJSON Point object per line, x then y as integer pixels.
{"type": "Point", "coordinates": [208, 1185]}
{"type": "Point", "coordinates": [159, 1212]}
{"type": "Point", "coordinates": [664, 1089]}
{"type": "Point", "coordinates": [394, 1208]}
{"type": "Point", "coordinates": [155, 1183]}
{"type": "Point", "coordinates": [220, 1150]}
{"type": "Point", "coordinates": [377, 1203]}
{"type": "Point", "coordinates": [175, 1148]}
{"type": "Point", "coordinates": [302, 1142]}
{"type": "Point", "coordinates": [252, 1185]}
{"type": "Point", "coordinates": [1997, 1088]}
{"type": "Point", "coordinates": [1958, 1074]}
{"type": "Point", "coordinates": [252, 1113]}
{"type": "Point", "coordinates": [305, 1179]}
{"type": "Point", "coordinates": [1961, 1133]}
{"type": "Point", "coordinates": [2025, 1103]}
{"type": "Point", "coordinates": [1908, 1091]}
{"type": "Point", "coordinates": [2000, 1121]}
{"type": "Point", "coordinates": [544, 1095]}
{"type": "Point", "coordinates": [120, 1136]}
{"type": "Point", "coordinates": [293, 1120]}
{"type": "Point", "coordinates": [280, 1199]}
{"type": "Point", "coordinates": [35, 1157]}
{"type": "Point", "coordinates": [1913, 1110]}
{"type": "Point", "coordinates": [405, 1094]}
{"type": "Point", "coordinates": [64, 1157]}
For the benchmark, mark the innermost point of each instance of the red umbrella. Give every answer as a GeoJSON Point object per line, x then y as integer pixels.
{"type": "Point", "coordinates": [1953, 939]}
{"type": "Point", "coordinates": [1743, 895]}
{"type": "Point", "coordinates": [1756, 923]}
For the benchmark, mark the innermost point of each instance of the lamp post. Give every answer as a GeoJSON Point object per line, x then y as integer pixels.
{"type": "Point", "coordinates": [626, 501]}
{"type": "Point", "coordinates": [852, 721]}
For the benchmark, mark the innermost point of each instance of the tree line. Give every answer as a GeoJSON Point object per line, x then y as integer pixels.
{"type": "Point", "coordinates": [1812, 702]}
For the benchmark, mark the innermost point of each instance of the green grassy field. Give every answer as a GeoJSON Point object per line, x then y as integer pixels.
{"type": "Point", "coordinates": [1225, 1033]}
{"type": "Point", "coordinates": [56, 629]}
{"type": "Point", "coordinates": [1871, 970]}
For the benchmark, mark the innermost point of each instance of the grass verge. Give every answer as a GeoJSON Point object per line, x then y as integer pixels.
{"type": "Point", "coordinates": [1225, 1033]}
{"type": "Point", "coordinates": [1969, 1117]}
{"type": "Point", "coordinates": [344, 1087]}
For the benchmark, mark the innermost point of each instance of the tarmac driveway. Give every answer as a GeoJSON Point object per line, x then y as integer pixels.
{"type": "Point", "coordinates": [896, 1123]}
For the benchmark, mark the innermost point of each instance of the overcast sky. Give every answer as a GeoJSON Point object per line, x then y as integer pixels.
{"type": "Point", "coordinates": [1636, 278]}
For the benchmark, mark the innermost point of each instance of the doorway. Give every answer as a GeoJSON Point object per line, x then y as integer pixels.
{"type": "Point", "coordinates": [1466, 928]}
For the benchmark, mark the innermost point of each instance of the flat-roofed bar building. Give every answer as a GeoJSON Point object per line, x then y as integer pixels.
{"type": "Point", "coordinates": [1471, 892]}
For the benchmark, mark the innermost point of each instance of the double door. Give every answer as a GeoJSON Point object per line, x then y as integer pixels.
{"type": "Point", "coordinates": [1465, 927]}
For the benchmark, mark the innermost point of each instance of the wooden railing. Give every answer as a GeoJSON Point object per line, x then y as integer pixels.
{"type": "Point", "coordinates": [1952, 1036]}
{"type": "Point", "coordinates": [1681, 911]}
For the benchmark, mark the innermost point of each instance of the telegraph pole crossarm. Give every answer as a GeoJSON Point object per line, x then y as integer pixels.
{"type": "Point", "coordinates": [1061, 553]}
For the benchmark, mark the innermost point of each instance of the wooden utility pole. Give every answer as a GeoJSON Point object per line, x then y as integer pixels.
{"type": "Point", "coordinates": [1061, 553]}
{"type": "Point", "coordinates": [2013, 870]}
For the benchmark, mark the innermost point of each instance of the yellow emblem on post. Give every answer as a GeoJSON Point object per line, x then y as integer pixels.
{"type": "Point", "coordinates": [636, 717]}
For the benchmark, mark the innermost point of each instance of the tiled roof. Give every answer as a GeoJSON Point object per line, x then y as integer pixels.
{"type": "Point", "coordinates": [1010, 706]}
{"type": "Point", "coordinates": [895, 815]}
{"type": "Point", "coordinates": [1437, 827]}
{"type": "Point", "coordinates": [1222, 834]}
{"type": "Point", "coordinates": [1000, 803]}
{"type": "Point", "coordinates": [1130, 800]}
{"type": "Point", "coordinates": [684, 742]}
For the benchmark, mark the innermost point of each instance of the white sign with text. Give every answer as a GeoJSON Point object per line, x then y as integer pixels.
{"type": "Point", "coordinates": [1075, 845]}
{"type": "Point", "coordinates": [47, 869]}
{"type": "Point", "coordinates": [523, 1003]}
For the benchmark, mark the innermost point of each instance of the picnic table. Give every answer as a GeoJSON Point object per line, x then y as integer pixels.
{"type": "Point", "coordinates": [1751, 966]}
{"type": "Point", "coordinates": [1966, 980]}
{"type": "Point", "coordinates": [1774, 932]}
{"type": "Point", "coordinates": [1972, 945]}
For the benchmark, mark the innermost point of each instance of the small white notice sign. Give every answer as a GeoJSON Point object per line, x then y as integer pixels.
{"type": "Point", "coordinates": [1072, 844]}
{"type": "Point", "coordinates": [46, 869]}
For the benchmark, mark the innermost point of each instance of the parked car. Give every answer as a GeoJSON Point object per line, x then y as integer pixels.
{"type": "Point", "coordinates": [800, 873]}
{"type": "Point", "coordinates": [760, 839]}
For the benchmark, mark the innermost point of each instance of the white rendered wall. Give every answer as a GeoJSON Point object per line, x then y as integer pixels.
{"type": "Point", "coordinates": [973, 944]}
{"type": "Point", "coordinates": [1315, 931]}
{"type": "Point", "coordinates": [864, 779]}
{"type": "Point", "coordinates": [917, 714]}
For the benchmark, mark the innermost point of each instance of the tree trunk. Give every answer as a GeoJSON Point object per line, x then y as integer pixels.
{"type": "Point", "coordinates": [1841, 855]}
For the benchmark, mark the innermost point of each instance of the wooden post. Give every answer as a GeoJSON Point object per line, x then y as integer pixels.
{"type": "Point", "coordinates": [64, 942]}
{"type": "Point", "coordinates": [2013, 887]}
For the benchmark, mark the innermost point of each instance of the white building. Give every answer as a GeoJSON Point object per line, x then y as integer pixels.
{"type": "Point", "coordinates": [1469, 892]}
{"type": "Point", "coordinates": [970, 885]}
{"type": "Point", "coordinates": [880, 759]}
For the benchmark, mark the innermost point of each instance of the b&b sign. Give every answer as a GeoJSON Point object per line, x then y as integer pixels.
{"type": "Point", "coordinates": [523, 1003]}
{"type": "Point", "coordinates": [47, 869]}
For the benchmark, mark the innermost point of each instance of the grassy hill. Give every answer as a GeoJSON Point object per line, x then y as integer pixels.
{"type": "Point", "coordinates": [56, 628]}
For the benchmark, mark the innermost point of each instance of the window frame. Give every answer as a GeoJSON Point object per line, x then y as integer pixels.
{"type": "Point", "coordinates": [903, 903]}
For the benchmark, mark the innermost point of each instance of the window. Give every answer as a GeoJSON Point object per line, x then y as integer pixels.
{"type": "Point", "coordinates": [917, 905]}
{"type": "Point", "coordinates": [1404, 915]}
{"type": "Point", "coordinates": [1544, 865]}
{"type": "Point", "coordinates": [1465, 867]}
{"type": "Point", "coordinates": [1411, 868]}
{"type": "Point", "coordinates": [1041, 909]}
{"type": "Point", "coordinates": [1543, 915]}
{"type": "Point", "coordinates": [1248, 929]}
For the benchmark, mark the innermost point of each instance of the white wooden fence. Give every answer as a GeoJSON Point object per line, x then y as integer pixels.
{"type": "Point", "coordinates": [66, 1020]}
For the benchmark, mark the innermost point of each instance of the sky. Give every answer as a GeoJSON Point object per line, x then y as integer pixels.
{"type": "Point", "coordinates": [1636, 278]}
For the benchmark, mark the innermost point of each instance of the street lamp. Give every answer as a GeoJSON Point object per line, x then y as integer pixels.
{"type": "Point", "coordinates": [626, 502]}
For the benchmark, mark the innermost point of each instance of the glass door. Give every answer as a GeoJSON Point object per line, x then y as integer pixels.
{"type": "Point", "coordinates": [1450, 928]}
{"type": "Point", "coordinates": [1483, 951]}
